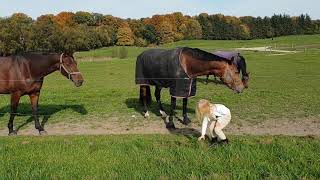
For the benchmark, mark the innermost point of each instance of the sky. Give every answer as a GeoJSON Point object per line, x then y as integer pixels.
{"type": "Point", "coordinates": [147, 8]}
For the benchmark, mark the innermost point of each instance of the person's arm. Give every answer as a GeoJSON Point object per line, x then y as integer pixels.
{"type": "Point", "coordinates": [204, 128]}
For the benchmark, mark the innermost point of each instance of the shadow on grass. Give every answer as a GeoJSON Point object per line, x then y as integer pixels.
{"type": "Point", "coordinates": [45, 111]}
{"type": "Point", "coordinates": [189, 132]}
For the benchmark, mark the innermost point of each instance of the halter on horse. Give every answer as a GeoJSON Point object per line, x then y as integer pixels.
{"type": "Point", "coordinates": [65, 69]}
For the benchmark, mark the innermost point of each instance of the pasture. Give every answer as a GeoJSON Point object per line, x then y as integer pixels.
{"type": "Point", "coordinates": [283, 90]}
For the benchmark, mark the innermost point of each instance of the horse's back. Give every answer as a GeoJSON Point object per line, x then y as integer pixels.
{"type": "Point", "coordinates": [154, 66]}
{"type": "Point", "coordinates": [13, 73]}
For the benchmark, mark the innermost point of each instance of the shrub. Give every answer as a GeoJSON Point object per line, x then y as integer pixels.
{"type": "Point", "coordinates": [123, 53]}
{"type": "Point", "coordinates": [115, 52]}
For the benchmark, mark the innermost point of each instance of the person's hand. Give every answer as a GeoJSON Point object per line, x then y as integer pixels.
{"type": "Point", "coordinates": [201, 138]}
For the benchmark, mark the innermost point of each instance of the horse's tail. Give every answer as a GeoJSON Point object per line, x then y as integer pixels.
{"type": "Point", "coordinates": [145, 95]}
{"type": "Point", "coordinates": [202, 110]}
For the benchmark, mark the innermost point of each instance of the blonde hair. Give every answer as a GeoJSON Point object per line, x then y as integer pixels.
{"type": "Point", "coordinates": [202, 109]}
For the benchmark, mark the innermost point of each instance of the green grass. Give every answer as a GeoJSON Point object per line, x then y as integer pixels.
{"type": "Point", "coordinates": [158, 157]}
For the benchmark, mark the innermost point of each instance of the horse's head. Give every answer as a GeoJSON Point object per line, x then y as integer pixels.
{"type": "Point", "coordinates": [69, 68]}
{"type": "Point", "coordinates": [231, 77]}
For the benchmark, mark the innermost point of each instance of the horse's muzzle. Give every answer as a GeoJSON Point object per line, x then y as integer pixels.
{"type": "Point", "coordinates": [78, 83]}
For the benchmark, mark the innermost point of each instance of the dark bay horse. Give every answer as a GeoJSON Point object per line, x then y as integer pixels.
{"type": "Point", "coordinates": [178, 70]}
{"type": "Point", "coordinates": [237, 59]}
{"type": "Point", "coordinates": [24, 74]}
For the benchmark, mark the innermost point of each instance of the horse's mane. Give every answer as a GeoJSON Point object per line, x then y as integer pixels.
{"type": "Point", "coordinates": [202, 55]}
{"type": "Point", "coordinates": [242, 66]}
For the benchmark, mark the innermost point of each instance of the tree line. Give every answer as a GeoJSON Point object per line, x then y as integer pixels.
{"type": "Point", "coordinates": [81, 31]}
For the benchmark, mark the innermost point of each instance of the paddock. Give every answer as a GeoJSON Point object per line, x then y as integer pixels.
{"type": "Point", "coordinates": [274, 130]}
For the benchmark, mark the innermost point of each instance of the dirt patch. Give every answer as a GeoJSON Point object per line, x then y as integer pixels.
{"type": "Point", "coordinates": [303, 127]}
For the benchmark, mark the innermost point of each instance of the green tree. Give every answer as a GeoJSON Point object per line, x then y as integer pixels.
{"type": "Point", "coordinates": [97, 19]}
{"type": "Point", "coordinates": [206, 25]}
{"type": "Point", "coordinates": [45, 28]}
{"type": "Point", "coordinates": [193, 29]}
{"type": "Point", "coordinates": [16, 34]}
{"type": "Point", "coordinates": [149, 33]}
{"type": "Point", "coordinates": [105, 35]}
{"type": "Point", "coordinates": [84, 18]}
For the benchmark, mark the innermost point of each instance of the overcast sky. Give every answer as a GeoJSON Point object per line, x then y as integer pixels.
{"type": "Point", "coordinates": [146, 8]}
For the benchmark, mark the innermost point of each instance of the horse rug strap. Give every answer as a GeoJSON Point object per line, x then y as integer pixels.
{"type": "Point", "coordinates": [162, 68]}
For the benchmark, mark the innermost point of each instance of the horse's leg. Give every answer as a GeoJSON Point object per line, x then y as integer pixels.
{"type": "Point", "coordinates": [207, 80]}
{"type": "Point", "coordinates": [186, 120]}
{"type": "Point", "coordinates": [145, 99]}
{"type": "Point", "coordinates": [15, 97]}
{"type": "Point", "coordinates": [170, 124]}
{"type": "Point", "coordinates": [34, 98]}
{"type": "Point", "coordinates": [157, 94]}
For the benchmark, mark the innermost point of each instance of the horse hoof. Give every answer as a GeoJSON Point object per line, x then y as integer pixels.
{"type": "Point", "coordinates": [13, 133]}
{"type": "Point", "coordinates": [170, 125]}
{"type": "Point", "coordinates": [163, 114]}
{"type": "Point", "coordinates": [42, 133]}
{"type": "Point", "coordinates": [186, 121]}
{"type": "Point", "coordinates": [146, 115]}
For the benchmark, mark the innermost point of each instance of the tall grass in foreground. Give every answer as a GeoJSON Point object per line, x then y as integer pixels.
{"type": "Point", "coordinates": [158, 156]}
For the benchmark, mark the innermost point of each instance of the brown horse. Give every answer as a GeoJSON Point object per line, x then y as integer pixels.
{"type": "Point", "coordinates": [178, 69]}
{"type": "Point", "coordinates": [24, 74]}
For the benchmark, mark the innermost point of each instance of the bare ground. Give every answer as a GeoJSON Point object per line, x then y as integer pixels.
{"type": "Point", "coordinates": [302, 127]}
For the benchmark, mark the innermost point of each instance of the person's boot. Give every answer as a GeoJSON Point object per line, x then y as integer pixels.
{"type": "Point", "coordinates": [224, 142]}
{"type": "Point", "coordinates": [213, 142]}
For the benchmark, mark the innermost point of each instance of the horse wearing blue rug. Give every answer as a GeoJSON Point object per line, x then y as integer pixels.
{"type": "Point", "coordinates": [178, 69]}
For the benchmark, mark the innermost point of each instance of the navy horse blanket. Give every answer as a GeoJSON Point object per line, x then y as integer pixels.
{"type": "Point", "coordinates": [160, 67]}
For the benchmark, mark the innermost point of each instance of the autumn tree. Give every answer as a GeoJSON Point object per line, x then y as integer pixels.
{"type": "Point", "coordinates": [125, 36]}
{"type": "Point", "coordinates": [166, 33]}
{"type": "Point", "coordinates": [65, 19]}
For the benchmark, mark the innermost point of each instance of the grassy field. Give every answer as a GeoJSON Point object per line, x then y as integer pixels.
{"type": "Point", "coordinates": [299, 42]}
{"type": "Point", "coordinates": [158, 157]}
{"type": "Point", "coordinates": [281, 87]}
